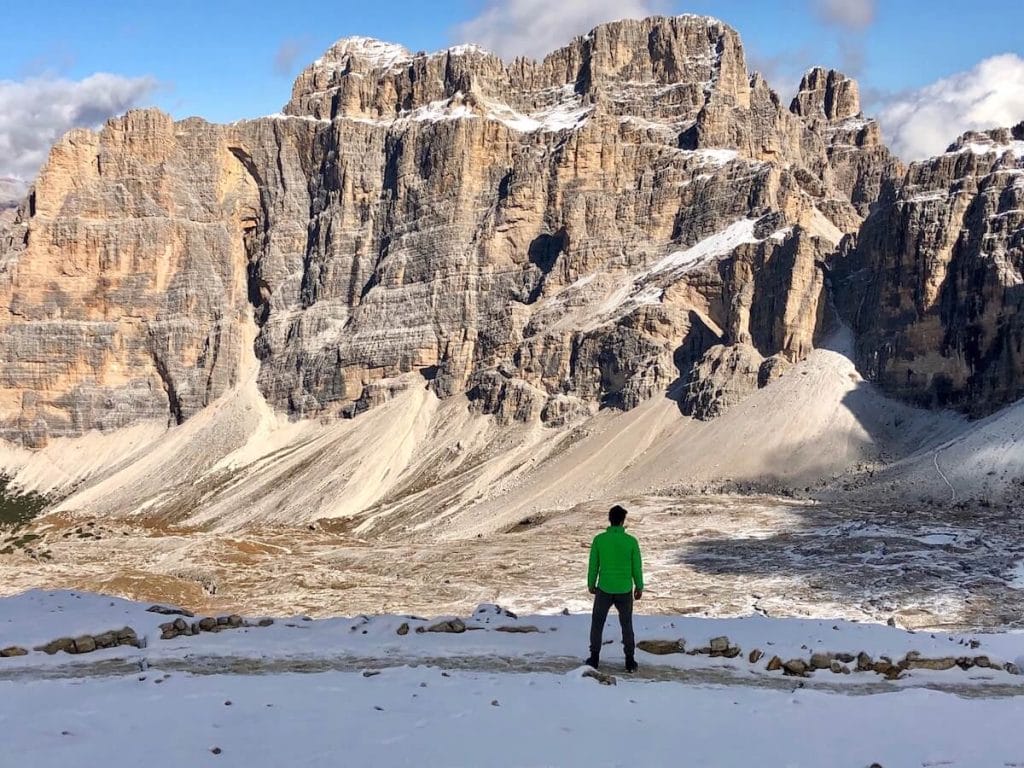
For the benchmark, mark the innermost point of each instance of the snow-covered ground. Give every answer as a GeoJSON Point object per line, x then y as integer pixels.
{"type": "Point", "coordinates": [354, 691]}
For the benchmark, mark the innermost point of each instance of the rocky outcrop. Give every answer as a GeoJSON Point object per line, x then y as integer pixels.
{"type": "Point", "coordinates": [931, 284]}
{"type": "Point", "coordinates": [546, 238]}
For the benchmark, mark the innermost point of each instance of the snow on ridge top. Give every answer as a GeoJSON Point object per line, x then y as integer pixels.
{"type": "Point", "coordinates": [990, 147]}
{"type": "Point", "coordinates": [377, 53]}
{"type": "Point", "coordinates": [465, 49]}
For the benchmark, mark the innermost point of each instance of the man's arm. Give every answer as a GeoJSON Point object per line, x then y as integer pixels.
{"type": "Point", "coordinates": [638, 571]}
{"type": "Point", "coordinates": [595, 566]}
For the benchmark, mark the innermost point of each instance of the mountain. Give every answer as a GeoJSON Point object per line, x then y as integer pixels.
{"type": "Point", "coordinates": [433, 277]}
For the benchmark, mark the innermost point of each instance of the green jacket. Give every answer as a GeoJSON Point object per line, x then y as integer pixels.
{"type": "Point", "coordinates": [615, 565]}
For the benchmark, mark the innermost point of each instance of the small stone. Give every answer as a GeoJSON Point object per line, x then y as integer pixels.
{"type": "Point", "coordinates": [661, 647]}
{"type": "Point", "coordinates": [891, 621]}
{"type": "Point", "coordinates": [601, 677]}
{"type": "Point", "coordinates": [371, 672]}
{"type": "Point", "coordinates": [494, 703]}
{"type": "Point", "coordinates": [1012, 668]}
{"type": "Point", "coordinates": [13, 651]}
{"type": "Point", "coordinates": [234, 620]}
{"type": "Point", "coordinates": [521, 629]}
{"type": "Point", "coordinates": [403, 629]}
{"type": "Point", "coordinates": [795, 668]}
{"type": "Point", "coordinates": [844, 658]}
{"type": "Point", "coordinates": [975, 644]}
{"type": "Point", "coordinates": [223, 621]}
{"type": "Point", "coordinates": [180, 624]}
{"type": "Point", "coordinates": [820, 661]}
{"type": "Point", "coordinates": [227, 703]}
{"type": "Point", "coordinates": [774, 665]}
{"type": "Point", "coordinates": [864, 662]}
{"type": "Point", "coordinates": [208, 624]}
{"type": "Point", "coordinates": [216, 750]}
{"type": "Point", "coordinates": [453, 626]}
{"type": "Point", "coordinates": [839, 668]}
{"type": "Point", "coordinates": [167, 611]}
{"type": "Point", "coordinates": [379, 709]}
{"type": "Point", "coordinates": [731, 653]}
{"type": "Point", "coordinates": [982, 661]}
{"type": "Point", "coordinates": [934, 664]}
{"type": "Point", "coordinates": [719, 644]}
{"type": "Point", "coordinates": [85, 644]}
{"type": "Point", "coordinates": [565, 612]}
{"type": "Point", "coordinates": [265, 623]}
{"type": "Point", "coordinates": [755, 656]}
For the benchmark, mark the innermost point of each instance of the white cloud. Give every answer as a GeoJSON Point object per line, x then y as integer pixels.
{"type": "Point", "coordinates": [35, 112]}
{"type": "Point", "coordinates": [535, 28]}
{"type": "Point", "coordinates": [923, 123]}
{"type": "Point", "coordinates": [854, 14]}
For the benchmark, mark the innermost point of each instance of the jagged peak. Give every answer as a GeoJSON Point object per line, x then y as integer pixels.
{"type": "Point", "coordinates": [826, 93]}
{"type": "Point", "coordinates": [995, 141]}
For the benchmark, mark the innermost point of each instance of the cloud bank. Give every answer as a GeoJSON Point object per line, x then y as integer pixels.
{"type": "Point", "coordinates": [535, 28]}
{"type": "Point", "coordinates": [37, 111]}
{"type": "Point", "coordinates": [924, 122]}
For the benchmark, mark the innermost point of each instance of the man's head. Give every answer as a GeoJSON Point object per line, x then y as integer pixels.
{"type": "Point", "coordinates": [617, 515]}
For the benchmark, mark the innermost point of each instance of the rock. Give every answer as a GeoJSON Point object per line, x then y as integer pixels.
{"type": "Point", "coordinates": [719, 644]}
{"type": "Point", "coordinates": [891, 621]}
{"type": "Point", "coordinates": [602, 677]}
{"type": "Point", "coordinates": [127, 636]}
{"type": "Point", "coordinates": [661, 647]}
{"type": "Point", "coordinates": [265, 623]}
{"type": "Point", "coordinates": [223, 621]}
{"type": "Point", "coordinates": [517, 628]}
{"type": "Point", "coordinates": [1012, 668]}
{"type": "Point", "coordinates": [934, 664]}
{"type": "Point", "coordinates": [795, 668]}
{"type": "Point", "coordinates": [235, 621]}
{"type": "Point", "coordinates": [178, 624]}
{"type": "Point", "coordinates": [982, 661]}
{"type": "Point", "coordinates": [84, 644]}
{"type": "Point", "coordinates": [839, 668]}
{"type": "Point", "coordinates": [755, 656]}
{"type": "Point", "coordinates": [821, 661]}
{"type": "Point", "coordinates": [105, 639]}
{"type": "Point", "coordinates": [864, 662]}
{"type": "Point", "coordinates": [12, 651]}
{"type": "Point", "coordinates": [403, 629]}
{"type": "Point", "coordinates": [65, 644]}
{"type": "Point", "coordinates": [168, 611]}
{"type": "Point", "coordinates": [208, 624]}
{"type": "Point", "coordinates": [774, 664]}
{"type": "Point", "coordinates": [455, 626]}
{"type": "Point", "coordinates": [731, 652]}
{"type": "Point", "coordinates": [845, 658]}
{"type": "Point", "coordinates": [371, 672]}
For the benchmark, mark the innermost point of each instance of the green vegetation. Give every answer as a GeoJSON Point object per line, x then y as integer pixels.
{"type": "Point", "coordinates": [18, 509]}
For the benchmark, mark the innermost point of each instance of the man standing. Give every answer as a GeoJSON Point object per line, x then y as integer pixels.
{"type": "Point", "coordinates": [615, 577]}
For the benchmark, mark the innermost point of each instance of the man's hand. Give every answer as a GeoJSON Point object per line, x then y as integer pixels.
{"type": "Point", "coordinates": [637, 594]}
{"type": "Point", "coordinates": [592, 590]}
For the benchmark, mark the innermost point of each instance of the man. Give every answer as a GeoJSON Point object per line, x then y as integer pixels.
{"type": "Point", "coordinates": [616, 577]}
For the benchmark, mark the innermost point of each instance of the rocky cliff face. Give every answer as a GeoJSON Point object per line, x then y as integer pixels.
{"type": "Point", "coordinates": [932, 283]}
{"type": "Point", "coordinates": [634, 216]}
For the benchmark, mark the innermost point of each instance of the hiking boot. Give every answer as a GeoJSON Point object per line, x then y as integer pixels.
{"type": "Point", "coordinates": [593, 661]}
{"type": "Point", "coordinates": [631, 665]}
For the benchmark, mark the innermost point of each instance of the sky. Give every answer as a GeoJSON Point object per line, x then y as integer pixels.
{"type": "Point", "coordinates": [928, 69]}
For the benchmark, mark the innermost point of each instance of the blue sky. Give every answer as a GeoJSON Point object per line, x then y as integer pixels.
{"type": "Point", "coordinates": [229, 59]}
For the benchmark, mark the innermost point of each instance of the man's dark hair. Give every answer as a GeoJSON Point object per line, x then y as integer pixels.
{"type": "Point", "coordinates": [617, 515]}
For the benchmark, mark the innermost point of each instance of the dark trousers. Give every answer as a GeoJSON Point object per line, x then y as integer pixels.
{"type": "Point", "coordinates": [603, 601]}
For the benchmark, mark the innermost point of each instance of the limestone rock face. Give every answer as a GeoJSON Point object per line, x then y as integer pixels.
{"type": "Point", "coordinates": [547, 238]}
{"type": "Point", "coordinates": [932, 283]}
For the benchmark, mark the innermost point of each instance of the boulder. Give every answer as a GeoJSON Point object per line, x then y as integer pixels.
{"type": "Point", "coordinates": [864, 662]}
{"type": "Point", "coordinates": [208, 624]}
{"type": "Point", "coordinates": [719, 644]}
{"type": "Point", "coordinates": [65, 644]}
{"type": "Point", "coordinates": [774, 665]}
{"type": "Point", "coordinates": [662, 647]}
{"type": "Point", "coordinates": [755, 656]}
{"type": "Point", "coordinates": [234, 620]}
{"type": "Point", "coordinates": [179, 624]}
